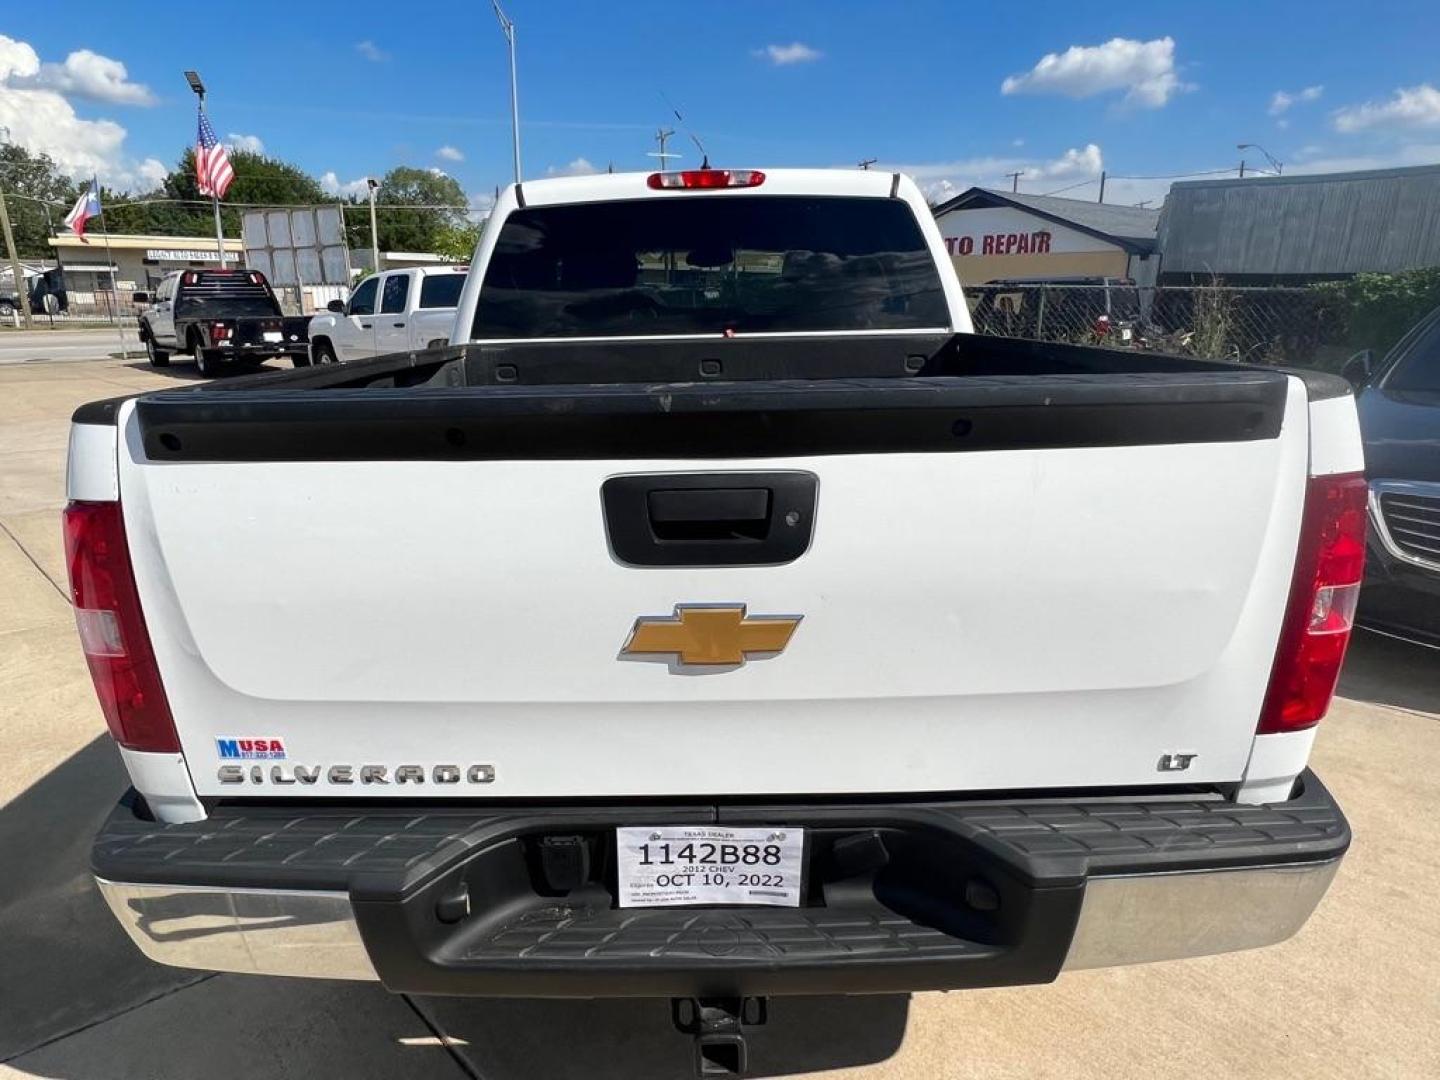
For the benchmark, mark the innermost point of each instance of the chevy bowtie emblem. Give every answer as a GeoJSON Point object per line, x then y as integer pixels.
{"type": "Point", "coordinates": [710, 634]}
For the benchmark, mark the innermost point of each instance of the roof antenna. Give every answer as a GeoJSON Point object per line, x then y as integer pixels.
{"type": "Point", "coordinates": [704, 156]}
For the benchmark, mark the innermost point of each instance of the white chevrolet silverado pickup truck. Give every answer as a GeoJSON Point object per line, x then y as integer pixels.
{"type": "Point", "coordinates": [387, 313]}
{"type": "Point", "coordinates": [717, 617]}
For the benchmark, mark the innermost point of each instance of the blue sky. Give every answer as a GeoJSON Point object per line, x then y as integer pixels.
{"type": "Point", "coordinates": [956, 93]}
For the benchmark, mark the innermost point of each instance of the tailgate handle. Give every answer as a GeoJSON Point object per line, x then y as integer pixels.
{"type": "Point", "coordinates": [709, 519]}
{"type": "Point", "coordinates": [733, 515]}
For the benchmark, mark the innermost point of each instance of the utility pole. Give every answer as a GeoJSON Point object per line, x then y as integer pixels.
{"type": "Point", "coordinates": [508, 29]}
{"type": "Point", "coordinates": [1102, 187]}
{"type": "Point", "coordinates": [865, 164]}
{"type": "Point", "coordinates": [1242, 168]}
{"type": "Point", "coordinates": [22, 298]}
{"type": "Point", "coordinates": [372, 184]}
{"type": "Point", "coordinates": [193, 78]}
{"type": "Point", "coordinates": [662, 136]}
{"type": "Point", "coordinates": [1015, 180]}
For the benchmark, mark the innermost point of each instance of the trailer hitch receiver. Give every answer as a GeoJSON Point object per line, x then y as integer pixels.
{"type": "Point", "coordinates": [717, 1026]}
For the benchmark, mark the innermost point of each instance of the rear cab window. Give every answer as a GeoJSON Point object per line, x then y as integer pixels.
{"type": "Point", "coordinates": [392, 297]}
{"type": "Point", "coordinates": [710, 265]}
{"type": "Point", "coordinates": [441, 290]}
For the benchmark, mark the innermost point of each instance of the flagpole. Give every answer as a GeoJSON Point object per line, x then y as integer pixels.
{"type": "Point", "coordinates": [110, 261]}
{"type": "Point", "coordinates": [215, 204]}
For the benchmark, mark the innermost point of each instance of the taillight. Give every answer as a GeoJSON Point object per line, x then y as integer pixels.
{"type": "Point", "coordinates": [706, 178]}
{"type": "Point", "coordinates": [112, 628]}
{"type": "Point", "coordinates": [220, 332]}
{"type": "Point", "coordinates": [1328, 570]}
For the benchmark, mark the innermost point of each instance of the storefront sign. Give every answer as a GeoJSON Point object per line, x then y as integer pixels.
{"type": "Point", "coordinates": [187, 255]}
{"type": "Point", "coordinates": [1032, 243]}
{"type": "Point", "coordinates": [1006, 231]}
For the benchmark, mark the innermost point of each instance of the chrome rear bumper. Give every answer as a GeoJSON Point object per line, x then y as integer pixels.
{"type": "Point", "coordinates": [1133, 919]}
{"type": "Point", "coordinates": [255, 931]}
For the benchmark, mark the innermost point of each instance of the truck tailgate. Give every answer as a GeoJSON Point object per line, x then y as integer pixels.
{"type": "Point", "coordinates": [1009, 583]}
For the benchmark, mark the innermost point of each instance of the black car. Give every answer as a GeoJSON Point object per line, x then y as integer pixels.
{"type": "Point", "coordinates": [1399, 403]}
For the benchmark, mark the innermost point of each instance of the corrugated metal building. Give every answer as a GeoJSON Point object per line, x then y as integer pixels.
{"type": "Point", "coordinates": [1293, 229]}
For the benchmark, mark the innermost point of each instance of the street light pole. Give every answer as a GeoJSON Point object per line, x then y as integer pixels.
{"type": "Point", "coordinates": [507, 27]}
{"type": "Point", "coordinates": [1277, 166]}
{"type": "Point", "coordinates": [372, 183]}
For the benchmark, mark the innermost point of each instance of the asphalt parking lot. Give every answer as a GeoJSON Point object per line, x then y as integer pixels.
{"type": "Point", "coordinates": [1355, 994]}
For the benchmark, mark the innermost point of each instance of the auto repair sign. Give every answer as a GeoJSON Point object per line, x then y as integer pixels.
{"type": "Point", "coordinates": [1005, 231]}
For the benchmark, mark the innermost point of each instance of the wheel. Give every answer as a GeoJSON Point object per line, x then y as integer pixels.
{"type": "Point", "coordinates": [157, 357]}
{"type": "Point", "coordinates": [206, 363]}
{"type": "Point", "coordinates": [323, 352]}
{"type": "Point", "coordinates": [7, 309]}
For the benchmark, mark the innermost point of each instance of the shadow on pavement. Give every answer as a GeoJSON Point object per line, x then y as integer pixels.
{"type": "Point", "coordinates": [182, 369]}
{"type": "Point", "coordinates": [634, 1039]}
{"type": "Point", "coordinates": [64, 961]}
{"type": "Point", "coordinates": [1384, 671]}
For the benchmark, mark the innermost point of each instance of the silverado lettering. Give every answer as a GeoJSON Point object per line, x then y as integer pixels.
{"type": "Point", "coordinates": [344, 774]}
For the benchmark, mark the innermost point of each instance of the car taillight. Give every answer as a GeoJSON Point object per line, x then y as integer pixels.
{"type": "Point", "coordinates": [220, 332]}
{"type": "Point", "coordinates": [1328, 570]}
{"type": "Point", "coordinates": [112, 628]}
{"type": "Point", "coordinates": [706, 178]}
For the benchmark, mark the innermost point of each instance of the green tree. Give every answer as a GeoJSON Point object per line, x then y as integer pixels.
{"type": "Point", "coordinates": [26, 178]}
{"type": "Point", "coordinates": [418, 229]}
{"type": "Point", "coordinates": [457, 242]}
{"type": "Point", "coordinates": [1375, 310]}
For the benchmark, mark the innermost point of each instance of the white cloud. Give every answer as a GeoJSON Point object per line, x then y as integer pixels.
{"type": "Point", "coordinates": [1321, 159]}
{"type": "Point", "coordinates": [333, 185]}
{"type": "Point", "coordinates": [150, 174]}
{"type": "Point", "coordinates": [940, 180]}
{"type": "Point", "coordinates": [797, 52]}
{"type": "Point", "coordinates": [1070, 165]}
{"type": "Point", "coordinates": [579, 167]}
{"type": "Point", "coordinates": [1282, 100]}
{"type": "Point", "coordinates": [1410, 107]}
{"type": "Point", "coordinates": [88, 75]}
{"type": "Point", "coordinates": [251, 144]}
{"type": "Point", "coordinates": [42, 120]}
{"type": "Point", "coordinates": [449, 153]}
{"type": "Point", "coordinates": [1145, 70]}
{"type": "Point", "coordinates": [372, 52]}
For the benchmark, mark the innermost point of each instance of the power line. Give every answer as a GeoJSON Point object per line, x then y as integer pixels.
{"type": "Point", "coordinates": [1072, 187]}
{"type": "Point", "coordinates": [1175, 176]}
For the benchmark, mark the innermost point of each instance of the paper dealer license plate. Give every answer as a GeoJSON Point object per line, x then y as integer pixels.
{"type": "Point", "coordinates": [666, 866]}
{"type": "Point", "coordinates": [273, 335]}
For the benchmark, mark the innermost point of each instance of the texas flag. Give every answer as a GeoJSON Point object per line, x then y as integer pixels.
{"type": "Point", "coordinates": [86, 207]}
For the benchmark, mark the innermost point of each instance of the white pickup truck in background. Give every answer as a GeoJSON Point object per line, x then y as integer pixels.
{"type": "Point", "coordinates": [394, 311]}
{"type": "Point", "coordinates": [717, 617]}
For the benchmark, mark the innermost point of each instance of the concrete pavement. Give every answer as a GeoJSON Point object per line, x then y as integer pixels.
{"type": "Point", "coordinates": [35, 346]}
{"type": "Point", "coordinates": [1356, 994]}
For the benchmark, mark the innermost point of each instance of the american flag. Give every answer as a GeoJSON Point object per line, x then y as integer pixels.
{"type": "Point", "coordinates": [212, 165]}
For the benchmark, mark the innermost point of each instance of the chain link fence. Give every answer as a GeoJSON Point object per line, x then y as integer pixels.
{"type": "Point", "coordinates": [1302, 327]}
